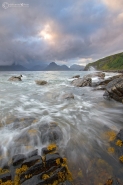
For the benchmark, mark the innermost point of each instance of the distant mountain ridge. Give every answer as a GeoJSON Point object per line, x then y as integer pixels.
{"type": "Point", "coordinates": [51, 67]}
{"type": "Point", "coordinates": [113, 62]}
{"type": "Point", "coordinates": [13, 67]}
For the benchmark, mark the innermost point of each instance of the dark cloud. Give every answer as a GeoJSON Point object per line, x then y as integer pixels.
{"type": "Point", "coordinates": [64, 31]}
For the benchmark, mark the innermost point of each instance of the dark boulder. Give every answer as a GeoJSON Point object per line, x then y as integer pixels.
{"type": "Point", "coordinates": [5, 177]}
{"type": "Point", "coordinates": [32, 153]}
{"type": "Point", "coordinates": [51, 168]}
{"type": "Point", "coordinates": [114, 89]}
{"type": "Point", "coordinates": [36, 180]}
{"type": "Point", "coordinates": [15, 78]}
{"type": "Point", "coordinates": [33, 170]}
{"type": "Point", "coordinates": [45, 150]}
{"type": "Point", "coordinates": [41, 82]}
{"type": "Point", "coordinates": [82, 82]}
{"type": "Point", "coordinates": [31, 161]}
{"type": "Point", "coordinates": [17, 159]}
{"type": "Point", "coordinates": [106, 81]}
{"type": "Point", "coordinates": [76, 76]}
{"type": "Point", "coordinates": [51, 160]}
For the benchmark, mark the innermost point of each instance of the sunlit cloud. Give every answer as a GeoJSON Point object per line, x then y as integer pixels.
{"type": "Point", "coordinates": [47, 34]}
{"type": "Point", "coordinates": [114, 4]}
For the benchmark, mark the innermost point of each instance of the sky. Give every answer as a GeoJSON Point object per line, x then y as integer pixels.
{"type": "Point", "coordinates": [61, 31]}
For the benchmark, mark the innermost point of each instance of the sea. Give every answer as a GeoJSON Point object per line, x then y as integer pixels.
{"type": "Point", "coordinates": [33, 116]}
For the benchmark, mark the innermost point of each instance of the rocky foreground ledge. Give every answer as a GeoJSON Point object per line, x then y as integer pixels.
{"type": "Point", "coordinates": [34, 169]}
{"type": "Point", "coordinates": [113, 86]}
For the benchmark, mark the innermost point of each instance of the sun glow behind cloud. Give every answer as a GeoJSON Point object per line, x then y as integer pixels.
{"type": "Point", "coordinates": [47, 34]}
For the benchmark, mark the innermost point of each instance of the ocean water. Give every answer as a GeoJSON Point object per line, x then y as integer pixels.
{"type": "Point", "coordinates": [32, 116]}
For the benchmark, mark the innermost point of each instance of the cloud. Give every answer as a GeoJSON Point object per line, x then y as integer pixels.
{"type": "Point", "coordinates": [114, 4]}
{"type": "Point", "coordinates": [64, 31]}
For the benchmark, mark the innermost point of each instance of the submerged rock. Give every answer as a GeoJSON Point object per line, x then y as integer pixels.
{"type": "Point", "coordinates": [82, 82]}
{"type": "Point", "coordinates": [101, 87]}
{"type": "Point", "coordinates": [116, 143]}
{"type": "Point", "coordinates": [15, 78]}
{"type": "Point", "coordinates": [112, 181]}
{"type": "Point", "coordinates": [114, 89]}
{"type": "Point", "coordinates": [68, 96]}
{"type": "Point", "coordinates": [41, 82]}
{"type": "Point", "coordinates": [51, 133]}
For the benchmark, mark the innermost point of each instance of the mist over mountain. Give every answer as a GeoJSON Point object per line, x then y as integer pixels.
{"type": "Point", "coordinates": [38, 68]}
{"type": "Point", "coordinates": [76, 67]}
{"type": "Point", "coordinates": [13, 67]}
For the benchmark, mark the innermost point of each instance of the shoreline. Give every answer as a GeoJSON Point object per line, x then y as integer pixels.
{"type": "Point", "coordinates": [113, 71]}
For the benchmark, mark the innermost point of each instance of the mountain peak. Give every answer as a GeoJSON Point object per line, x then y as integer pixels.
{"type": "Point", "coordinates": [55, 67]}
{"type": "Point", "coordinates": [53, 63]}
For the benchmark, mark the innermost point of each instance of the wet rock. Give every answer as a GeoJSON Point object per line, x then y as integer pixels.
{"type": "Point", "coordinates": [77, 76]}
{"type": "Point", "coordinates": [36, 180]}
{"type": "Point", "coordinates": [68, 96]}
{"type": "Point", "coordinates": [46, 151]}
{"type": "Point", "coordinates": [41, 82]}
{"type": "Point", "coordinates": [82, 82]}
{"type": "Point", "coordinates": [1, 150]}
{"type": "Point", "coordinates": [106, 96]}
{"type": "Point", "coordinates": [95, 74]}
{"type": "Point", "coordinates": [33, 170]}
{"type": "Point", "coordinates": [114, 89]}
{"type": "Point", "coordinates": [112, 181]}
{"type": "Point", "coordinates": [15, 78]}
{"type": "Point", "coordinates": [17, 159]}
{"type": "Point", "coordinates": [32, 153]}
{"type": "Point", "coordinates": [120, 135]}
{"type": "Point", "coordinates": [50, 169]}
{"type": "Point", "coordinates": [4, 163]}
{"type": "Point", "coordinates": [106, 81]}
{"type": "Point", "coordinates": [31, 161]}
{"type": "Point", "coordinates": [55, 176]}
{"type": "Point", "coordinates": [5, 177]}
{"type": "Point", "coordinates": [118, 145]}
{"type": "Point", "coordinates": [51, 160]}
